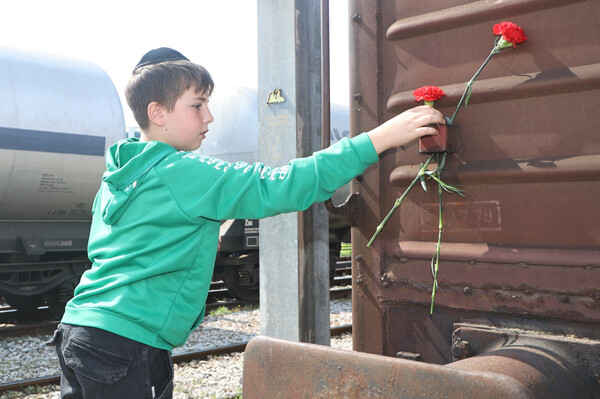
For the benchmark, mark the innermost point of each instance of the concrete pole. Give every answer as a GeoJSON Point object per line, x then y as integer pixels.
{"type": "Point", "coordinates": [294, 249]}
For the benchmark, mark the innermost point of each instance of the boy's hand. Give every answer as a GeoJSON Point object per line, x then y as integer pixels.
{"type": "Point", "coordinates": [406, 127]}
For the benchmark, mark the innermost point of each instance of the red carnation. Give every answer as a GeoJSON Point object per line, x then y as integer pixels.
{"type": "Point", "coordinates": [512, 34]}
{"type": "Point", "coordinates": [428, 93]}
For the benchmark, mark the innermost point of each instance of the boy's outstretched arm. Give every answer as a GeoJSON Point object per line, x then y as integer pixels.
{"type": "Point", "coordinates": [404, 128]}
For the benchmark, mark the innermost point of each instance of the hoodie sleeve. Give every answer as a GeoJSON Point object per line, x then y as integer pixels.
{"type": "Point", "coordinates": [211, 188]}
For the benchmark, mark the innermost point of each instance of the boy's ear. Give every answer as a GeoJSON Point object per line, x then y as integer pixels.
{"type": "Point", "coordinates": [156, 113]}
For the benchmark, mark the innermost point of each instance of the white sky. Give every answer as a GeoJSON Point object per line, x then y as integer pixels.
{"type": "Point", "coordinates": [218, 34]}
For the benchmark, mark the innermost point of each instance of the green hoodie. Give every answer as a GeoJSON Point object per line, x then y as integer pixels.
{"type": "Point", "coordinates": [155, 229]}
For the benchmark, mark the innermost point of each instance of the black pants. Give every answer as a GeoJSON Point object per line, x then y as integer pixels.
{"type": "Point", "coordinates": [99, 364]}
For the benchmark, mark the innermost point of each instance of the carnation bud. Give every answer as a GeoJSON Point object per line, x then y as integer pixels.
{"type": "Point", "coordinates": [503, 43]}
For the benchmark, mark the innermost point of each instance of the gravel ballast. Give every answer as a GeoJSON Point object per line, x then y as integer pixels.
{"type": "Point", "coordinates": [217, 377]}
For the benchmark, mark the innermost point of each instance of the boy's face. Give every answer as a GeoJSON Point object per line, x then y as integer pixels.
{"type": "Point", "coordinates": [187, 124]}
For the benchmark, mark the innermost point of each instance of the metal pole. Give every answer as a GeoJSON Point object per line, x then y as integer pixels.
{"type": "Point", "coordinates": [313, 224]}
{"type": "Point", "coordinates": [325, 76]}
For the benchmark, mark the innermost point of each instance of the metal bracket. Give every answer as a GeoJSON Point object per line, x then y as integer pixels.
{"type": "Point", "coordinates": [349, 209]}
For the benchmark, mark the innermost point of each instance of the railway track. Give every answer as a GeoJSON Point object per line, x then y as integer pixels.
{"type": "Point", "coordinates": [180, 358]}
{"type": "Point", "coordinates": [42, 321]}
{"type": "Point", "coordinates": [48, 327]}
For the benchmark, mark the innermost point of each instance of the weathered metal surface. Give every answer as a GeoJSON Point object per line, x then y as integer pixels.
{"type": "Point", "coordinates": [275, 368]}
{"type": "Point", "coordinates": [522, 249]}
{"type": "Point", "coordinates": [552, 366]}
{"type": "Point", "coordinates": [365, 114]}
{"type": "Point", "coordinates": [466, 13]}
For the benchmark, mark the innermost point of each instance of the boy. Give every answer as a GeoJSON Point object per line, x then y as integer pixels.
{"type": "Point", "coordinates": [155, 227]}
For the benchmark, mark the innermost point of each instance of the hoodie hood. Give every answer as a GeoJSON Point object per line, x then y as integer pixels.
{"type": "Point", "coordinates": [126, 164]}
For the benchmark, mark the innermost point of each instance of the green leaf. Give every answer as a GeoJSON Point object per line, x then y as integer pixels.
{"type": "Point", "coordinates": [442, 163]}
{"type": "Point", "coordinates": [452, 189]}
{"type": "Point", "coordinates": [423, 183]}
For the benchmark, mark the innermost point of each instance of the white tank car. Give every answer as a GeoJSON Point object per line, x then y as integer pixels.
{"type": "Point", "coordinates": [57, 117]}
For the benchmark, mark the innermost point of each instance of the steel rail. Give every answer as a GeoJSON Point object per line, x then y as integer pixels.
{"type": "Point", "coordinates": [180, 358]}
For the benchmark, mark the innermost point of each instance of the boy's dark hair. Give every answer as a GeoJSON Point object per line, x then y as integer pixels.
{"type": "Point", "coordinates": [164, 83]}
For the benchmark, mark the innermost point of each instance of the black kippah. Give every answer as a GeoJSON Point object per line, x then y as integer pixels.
{"type": "Point", "coordinates": [159, 55]}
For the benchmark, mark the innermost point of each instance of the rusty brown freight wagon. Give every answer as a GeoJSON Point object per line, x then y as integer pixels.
{"type": "Point", "coordinates": [519, 275]}
{"type": "Point", "coordinates": [517, 308]}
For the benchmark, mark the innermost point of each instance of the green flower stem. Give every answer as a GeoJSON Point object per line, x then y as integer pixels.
{"type": "Point", "coordinates": [399, 200]}
{"type": "Point", "coordinates": [467, 93]}
{"type": "Point", "coordinates": [435, 260]}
